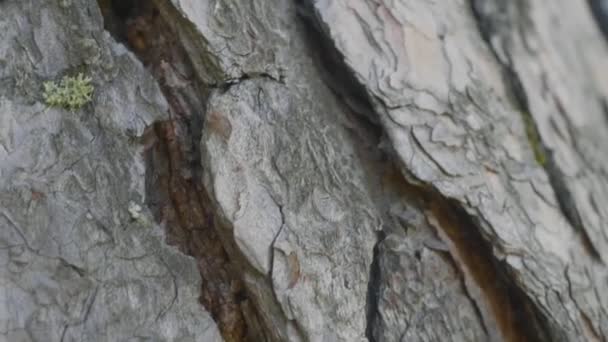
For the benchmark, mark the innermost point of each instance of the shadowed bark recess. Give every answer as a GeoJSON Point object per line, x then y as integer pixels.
{"type": "Point", "coordinates": [600, 12]}
{"type": "Point", "coordinates": [488, 26]}
{"type": "Point", "coordinates": [503, 306]}
{"type": "Point", "coordinates": [509, 310]}
{"type": "Point", "coordinates": [173, 189]}
{"type": "Point", "coordinates": [372, 291]}
{"type": "Point", "coordinates": [515, 315]}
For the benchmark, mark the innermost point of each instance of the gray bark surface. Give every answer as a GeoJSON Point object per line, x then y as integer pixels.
{"type": "Point", "coordinates": [307, 170]}
{"type": "Point", "coordinates": [79, 261]}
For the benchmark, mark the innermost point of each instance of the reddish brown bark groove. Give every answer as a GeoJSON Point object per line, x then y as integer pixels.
{"type": "Point", "coordinates": [190, 226]}
{"type": "Point", "coordinates": [512, 312]}
{"type": "Point", "coordinates": [173, 190]}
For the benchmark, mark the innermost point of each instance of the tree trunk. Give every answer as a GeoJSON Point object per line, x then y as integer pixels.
{"type": "Point", "coordinates": [306, 170]}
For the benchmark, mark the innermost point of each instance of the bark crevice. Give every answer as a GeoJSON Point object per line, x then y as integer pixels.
{"type": "Point", "coordinates": [225, 86]}
{"type": "Point", "coordinates": [599, 8]}
{"type": "Point", "coordinates": [338, 76]}
{"type": "Point", "coordinates": [174, 191]}
{"type": "Point", "coordinates": [373, 287]}
{"type": "Point", "coordinates": [515, 315]}
{"type": "Point", "coordinates": [488, 28]}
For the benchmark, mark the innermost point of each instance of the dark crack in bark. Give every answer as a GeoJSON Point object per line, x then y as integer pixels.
{"type": "Point", "coordinates": [341, 80]}
{"type": "Point", "coordinates": [330, 63]}
{"type": "Point", "coordinates": [489, 26]}
{"type": "Point", "coordinates": [467, 292]}
{"type": "Point", "coordinates": [225, 86]}
{"type": "Point", "coordinates": [373, 288]}
{"type": "Point", "coordinates": [514, 314]}
{"type": "Point", "coordinates": [599, 8]}
{"type": "Point", "coordinates": [174, 192]}
{"type": "Point", "coordinates": [507, 311]}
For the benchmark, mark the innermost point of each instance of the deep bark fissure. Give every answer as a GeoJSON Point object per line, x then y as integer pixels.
{"type": "Point", "coordinates": [373, 288]}
{"type": "Point", "coordinates": [599, 8]}
{"type": "Point", "coordinates": [604, 102]}
{"type": "Point", "coordinates": [516, 317]}
{"type": "Point", "coordinates": [463, 281]}
{"type": "Point", "coordinates": [174, 192]}
{"type": "Point", "coordinates": [341, 80]}
{"type": "Point", "coordinates": [225, 86]}
{"type": "Point", "coordinates": [488, 27]}
{"type": "Point", "coordinates": [513, 312]}
{"type": "Point", "coordinates": [508, 309]}
{"type": "Point", "coordinates": [338, 76]}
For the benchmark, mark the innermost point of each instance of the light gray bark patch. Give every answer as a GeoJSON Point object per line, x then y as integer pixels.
{"type": "Point", "coordinates": [81, 256]}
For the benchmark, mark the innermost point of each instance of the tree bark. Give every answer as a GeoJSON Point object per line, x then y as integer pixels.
{"type": "Point", "coordinates": [305, 170]}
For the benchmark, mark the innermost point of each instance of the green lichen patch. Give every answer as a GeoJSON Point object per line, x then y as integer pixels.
{"type": "Point", "coordinates": [70, 93]}
{"type": "Point", "coordinates": [534, 138]}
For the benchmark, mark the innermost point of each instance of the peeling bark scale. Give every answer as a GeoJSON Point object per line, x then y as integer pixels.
{"type": "Point", "coordinates": [305, 170]}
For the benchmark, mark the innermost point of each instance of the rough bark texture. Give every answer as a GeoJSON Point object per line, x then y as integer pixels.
{"type": "Point", "coordinates": [82, 259]}
{"type": "Point", "coordinates": [305, 170]}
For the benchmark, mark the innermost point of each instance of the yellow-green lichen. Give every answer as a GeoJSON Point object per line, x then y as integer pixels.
{"type": "Point", "coordinates": [534, 138]}
{"type": "Point", "coordinates": [70, 93]}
